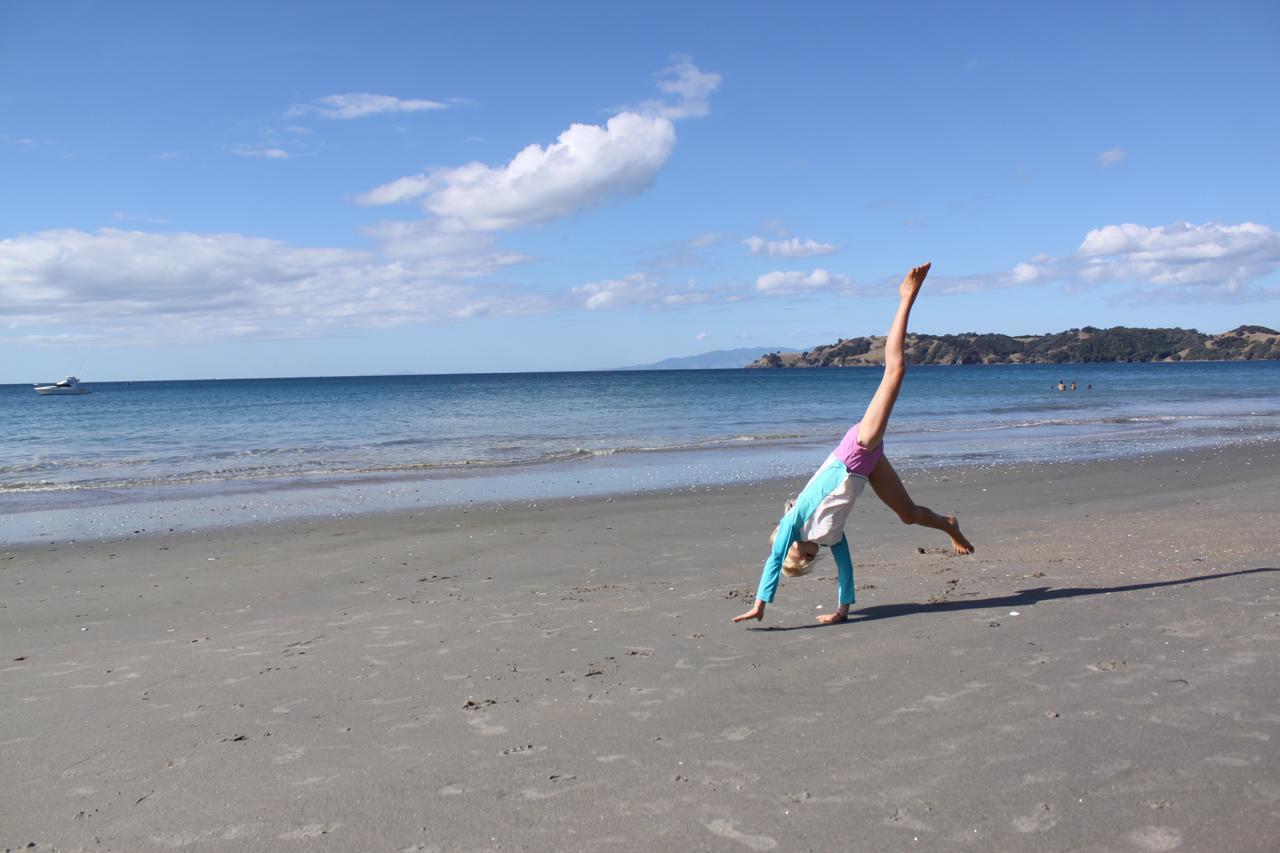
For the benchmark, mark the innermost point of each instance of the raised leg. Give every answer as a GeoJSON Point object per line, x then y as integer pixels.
{"type": "Point", "coordinates": [871, 432]}
{"type": "Point", "coordinates": [888, 487]}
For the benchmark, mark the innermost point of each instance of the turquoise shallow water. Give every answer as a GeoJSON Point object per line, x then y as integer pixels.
{"type": "Point", "coordinates": [237, 450]}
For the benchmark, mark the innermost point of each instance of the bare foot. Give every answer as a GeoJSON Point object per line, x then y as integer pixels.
{"type": "Point", "coordinates": [912, 281]}
{"type": "Point", "coordinates": [958, 540]}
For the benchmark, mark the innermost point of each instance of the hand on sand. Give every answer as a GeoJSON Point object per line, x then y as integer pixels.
{"type": "Point", "coordinates": [912, 281]}
{"type": "Point", "coordinates": [756, 612]}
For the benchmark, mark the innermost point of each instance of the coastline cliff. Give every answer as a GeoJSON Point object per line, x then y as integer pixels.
{"type": "Point", "coordinates": [1074, 346]}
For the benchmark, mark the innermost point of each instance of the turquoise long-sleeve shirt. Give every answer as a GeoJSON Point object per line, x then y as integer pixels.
{"type": "Point", "coordinates": [828, 479]}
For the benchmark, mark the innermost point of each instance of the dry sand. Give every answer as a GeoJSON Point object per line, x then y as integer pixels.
{"type": "Point", "coordinates": [1101, 675]}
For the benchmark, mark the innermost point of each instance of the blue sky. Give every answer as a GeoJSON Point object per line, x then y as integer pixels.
{"type": "Point", "coordinates": [240, 189]}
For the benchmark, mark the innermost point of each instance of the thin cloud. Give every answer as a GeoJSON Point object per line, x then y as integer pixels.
{"type": "Point", "coordinates": [617, 292]}
{"type": "Point", "coordinates": [789, 248]}
{"type": "Point", "coordinates": [351, 105]}
{"type": "Point", "coordinates": [686, 91]}
{"type": "Point", "coordinates": [25, 141]}
{"type": "Point", "coordinates": [641, 290]}
{"type": "Point", "coordinates": [260, 152]}
{"type": "Point", "coordinates": [1112, 157]}
{"type": "Point", "coordinates": [122, 216]}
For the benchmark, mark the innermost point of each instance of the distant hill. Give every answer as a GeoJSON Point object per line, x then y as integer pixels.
{"type": "Point", "coordinates": [1089, 344]}
{"type": "Point", "coordinates": [721, 358]}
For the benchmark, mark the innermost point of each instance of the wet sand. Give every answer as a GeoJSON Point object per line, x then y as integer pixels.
{"type": "Point", "coordinates": [1102, 675]}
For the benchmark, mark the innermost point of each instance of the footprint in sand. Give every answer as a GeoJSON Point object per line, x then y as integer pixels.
{"type": "Point", "coordinates": [481, 724]}
{"type": "Point", "coordinates": [290, 755]}
{"type": "Point", "coordinates": [1042, 818]}
{"type": "Point", "coordinates": [287, 706]}
{"type": "Point", "coordinates": [903, 818]}
{"type": "Point", "coordinates": [311, 830]}
{"type": "Point", "coordinates": [1156, 838]}
{"type": "Point", "coordinates": [728, 829]}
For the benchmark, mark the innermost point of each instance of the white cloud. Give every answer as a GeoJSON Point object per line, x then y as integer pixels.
{"type": "Point", "coordinates": [260, 151]}
{"type": "Point", "coordinates": [587, 165]}
{"type": "Point", "coordinates": [360, 104]}
{"type": "Point", "coordinates": [617, 292]}
{"type": "Point", "coordinates": [124, 286]}
{"type": "Point", "coordinates": [792, 248]}
{"type": "Point", "coordinates": [793, 282]}
{"type": "Point", "coordinates": [1184, 259]}
{"type": "Point", "coordinates": [393, 192]}
{"type": "Point", "coordinates": [687, 91]}
{"type": "Point", "coordinates": [701, 336]}
{"type": "Point", "coordinates": [638, 289]}
{"type": "Point", "coordinates": [139, 287]}
{"type": "Point", "coordinates": [704, 240]}
{"type": "Point", "coordinates": [1214, 255]}
{"type": "Point", "coordinates": [457, 254]}
{"type": "Point", "coordinates": [1023, 273]}
{"type": "Point", "coordinates": [1112, 157]}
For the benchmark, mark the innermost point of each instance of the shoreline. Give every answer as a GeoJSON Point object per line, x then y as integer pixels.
{"type": "Point", "coordinates": [257, 506]}
{"type": "Point", "coordinates": [564, 675]}
{"type": "Point", "coordinates": [291, 518]}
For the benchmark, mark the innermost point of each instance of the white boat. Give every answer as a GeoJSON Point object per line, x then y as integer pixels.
{"type": "Point", "coordinates": [70, 385]}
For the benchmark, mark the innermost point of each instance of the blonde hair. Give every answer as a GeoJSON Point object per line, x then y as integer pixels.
{"type": "Point", "coordinates": [791, 567]}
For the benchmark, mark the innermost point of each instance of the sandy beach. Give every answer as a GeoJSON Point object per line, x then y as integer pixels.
{"type": "Point", "coordinates": [1101, 675]}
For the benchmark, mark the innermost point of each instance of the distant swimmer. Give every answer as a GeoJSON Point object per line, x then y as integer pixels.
{"type": "Point", "coordinates": [1073, 386]}
{"type": "Point", "coordinates": [817, 515]}
{"type": "Point", "coordinates": [1062, 386]}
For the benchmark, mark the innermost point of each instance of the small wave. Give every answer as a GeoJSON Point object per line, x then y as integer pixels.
{"type": "Point", "coordinates": [321, 469]}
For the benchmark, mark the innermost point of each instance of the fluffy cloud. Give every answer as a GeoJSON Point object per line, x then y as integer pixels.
{"type": "Point", "coordinates": [1112, 157]}
{"type": "Point", "coordinates": [793, 282]}
{"type": "Point", "coordinates": [122, 285]}
{"type": "Point", "coordinates": [1214, 255]}
{"type": "Point", "coordinates": [792, 248]}
{"type": "Point", "coordinates": [587, 165]}
{"type": "Point", "coordinates": [359, 104]}
{"type": "Point", "coordinates": [1184, 260]}
{"type": "Point", "coordinates": [1213, 259]}
{"type": "Point", "coordinates": [114, 285]}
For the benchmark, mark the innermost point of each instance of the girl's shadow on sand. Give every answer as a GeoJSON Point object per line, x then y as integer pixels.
{"type": "Point", "coordinates": [1022, 598]}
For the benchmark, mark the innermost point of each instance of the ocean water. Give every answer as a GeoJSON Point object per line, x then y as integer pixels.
{"type": "Point", "coordinates": [154, 455]}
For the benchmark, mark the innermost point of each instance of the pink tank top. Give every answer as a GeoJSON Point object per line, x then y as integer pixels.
{"type": "Point", "coordinates": [856, 458]}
